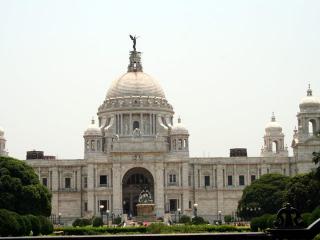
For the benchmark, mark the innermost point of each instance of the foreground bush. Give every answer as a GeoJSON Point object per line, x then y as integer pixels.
{"type": "Point", "coordinates": [263, 222]}
{"type": "Point", "coordinates": [81, 222]}
{"type": "Point", "coordinates": [97, 222]}
{"type": "Point", "coordinates": [46, 226]}
{"type": "Point", "coordinates": [185, 219]}
{"type": "Point", "coordinates": [198, 220]}
{"type": "Point", "coordinates": [13, 224]}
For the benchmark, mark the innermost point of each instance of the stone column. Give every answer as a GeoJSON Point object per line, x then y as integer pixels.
{"type": "Point", "coordinates": [55, 188]}
{"type": "Point", "coordinates": [185, 186]}
{"type": "Point", "coordinates": [220, 189]}
{"type": "Point", "coordinates": [91, 189]}
{"type": "Point", "coordinates": [117, 189]}
{"type": "Point", "coordinates": [158, 190]}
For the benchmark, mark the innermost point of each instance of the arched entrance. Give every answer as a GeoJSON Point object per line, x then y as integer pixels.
{"type": "Point", "coordinates": [133, 182]}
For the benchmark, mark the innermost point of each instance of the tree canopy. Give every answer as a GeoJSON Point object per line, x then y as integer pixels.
{"type": "Point", "coordinates": [303, 192]}
{"type": "Point", "coordinates": [21, 190]}
{"type": "Point", "coordinates": [264, 195]}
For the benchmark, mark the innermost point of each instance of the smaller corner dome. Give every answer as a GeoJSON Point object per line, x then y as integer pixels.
{"type": "Point", "coordinates": [93, 130]}
{"type": "Point", "coordinates": [179, 129]}
{"type": "Point", "coordinates": [309, 101]}
{"type": "Point", "coordinates": [1, 132]}
{"type": "Point", "coordinates": [273, 125]}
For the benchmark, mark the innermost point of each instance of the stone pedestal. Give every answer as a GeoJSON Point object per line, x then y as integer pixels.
{"type": "Point", "coordinates": [145, 209]}
{"type": "Point", "coordinates": [145, 212]}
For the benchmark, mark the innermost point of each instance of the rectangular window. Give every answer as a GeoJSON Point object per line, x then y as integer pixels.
{"type": "Point", "coordinates": [173, 205]}
{"type": "Point", "coordinates": [67, 182]}
{"type": "Point", "coordinates": [85, 182]}
{"type": "Point", "coordinates": [85, 206]}
{"type": "Point", "coordinates": [190, 205]}
{"type": "Point", "coordinates": [172, 178]}
{"type": "Point", "coordinates": [103, 180]}
{"type": "Point", "coordinates": [189, 181]}
{"type": "Point", "coordinates": [45, 181]}
{"type": "Point", "coordinates": [241, 180]}
{"type": "Point", "coordinates": [206, 181]}
{"type": "Point", "coordinates": [253, 177]}
{"type": "Point", "coordinates": [230, 180]}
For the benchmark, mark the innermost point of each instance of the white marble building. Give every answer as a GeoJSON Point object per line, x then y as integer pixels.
{"type": "Point", "coordinates": [135, 143]}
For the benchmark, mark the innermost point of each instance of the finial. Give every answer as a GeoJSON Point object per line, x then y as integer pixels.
{"type": "Point", "coordinates": [179, 119]}
{"type": "Point", "coordinates": [295, 129]}
{"type": "Point", "coordinates": [92, 120]}
{"type": "Point", "coordinates": [273, 118]}
{"type": "Point", "coordinates": [309, 92]}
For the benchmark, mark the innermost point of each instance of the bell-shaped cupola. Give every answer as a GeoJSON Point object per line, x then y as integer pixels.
{"type": "Point", "coordinates": [273, 139]}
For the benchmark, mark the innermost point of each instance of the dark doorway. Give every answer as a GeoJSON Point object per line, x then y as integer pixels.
{"type": "Point", "coordinates": [133, 182]}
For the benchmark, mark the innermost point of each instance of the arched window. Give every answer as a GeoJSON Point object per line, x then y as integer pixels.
{"type": "Point", "coordinates": [92, 145]}
{"type": "Point", "coordinates": [274, 146]}
{"type": "Point", "coordinates": [180, 144]}
{"type": "Point", "coordinates": [312, 127]}
{"type": "Point", "coordinates": [135, 125]}
{"type": "Point", "coordinates": [98, 145]}
{"type": "Point", "coordinates": [175, 144]}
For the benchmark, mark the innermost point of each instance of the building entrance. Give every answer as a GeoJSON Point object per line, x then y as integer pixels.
{"type": "Point", "coordinates": [133, 182]}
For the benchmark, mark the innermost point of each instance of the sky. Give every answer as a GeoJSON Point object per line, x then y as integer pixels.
{"type": "Point", "coordinates": [225, 66]}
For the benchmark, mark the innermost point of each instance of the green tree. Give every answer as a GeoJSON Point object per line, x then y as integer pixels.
{"type": "Point", "coordinates": [303, 192]}
{"type": "Point", "coordinates": [21, 190]}
{"type": "Point", "coordinates": [264, 195]}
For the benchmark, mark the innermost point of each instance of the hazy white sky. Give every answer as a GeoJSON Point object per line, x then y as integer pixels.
{"type": "Point", "coordinates": [224, 66]}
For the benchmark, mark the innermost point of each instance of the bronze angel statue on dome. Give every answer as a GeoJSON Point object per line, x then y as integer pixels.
{"type": "Point", "coordinates": [134, 40]}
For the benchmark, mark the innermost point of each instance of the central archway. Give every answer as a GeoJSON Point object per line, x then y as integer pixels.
{"type": "Point", "coordinates": [133, 182]}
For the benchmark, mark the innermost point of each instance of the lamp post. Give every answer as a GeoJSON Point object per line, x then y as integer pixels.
{"type": "Point", "coordinates": [59, 218]}
{"type": "Point", "coordinates": [101, 211]}
{"type": "Point", "coordinates": [108, 216]}
{"type": "Point", "coordinates": [219, 214]}
{"type": "Point", "coordinates": [179, 212]}
{"type": "Point", "coordinates": [195, 208]}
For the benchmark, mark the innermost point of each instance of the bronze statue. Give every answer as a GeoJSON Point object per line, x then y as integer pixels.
{"type": "Point", "coordinates": [134, 40]}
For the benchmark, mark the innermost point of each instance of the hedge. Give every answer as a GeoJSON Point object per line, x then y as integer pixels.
{"type": "Point", "coordinates": [153, 228]}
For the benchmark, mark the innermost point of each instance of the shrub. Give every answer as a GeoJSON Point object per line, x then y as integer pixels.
{"type": "Point", "coordinates": [27, 224]}
{"type": "Point", "coordinates": [306, 217]}
{"type": "Point", "coordinates": [262, 223]}
{"type": "Point", "coordinates": [198, 220]}
{"type": "Point", "coordinates": [97, 222]}
{"type": "Point", "coordinates": [46, 226]}
{"type": "Point", "coordinates": [81, 222]}
{"type": "Point", "coordinates": [117, 220]}
{"type": "Point", "coordinates": [9, 226]}
{"type": "Point", "coordinates": [315, 215]}
{"type": "Point", "coordinates": [185, 219]}
{"type": "Point", "coordinates": [228, 218]}
{"type": "Point", "coordinates": [35, 224]}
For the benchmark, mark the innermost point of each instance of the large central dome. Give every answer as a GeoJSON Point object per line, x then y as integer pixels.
{"type": "Point", "coordinates": [135, 84]}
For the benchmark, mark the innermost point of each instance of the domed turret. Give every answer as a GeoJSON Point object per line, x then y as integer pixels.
{"type": "Point", "coordinates": [273, 140]}
{"type": "Point", "coordinates": [309, 102]}
{"type": "Point", "coordinates": [273, 125]}
{"type": "Point", "coordinates": [92, 130]}
{"type": "Point", "coordinates": [92, 139]}
{"type": "Point", "coordinates": [179, 129]}
{"type": "Point", "coordinates": [179, 139]}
